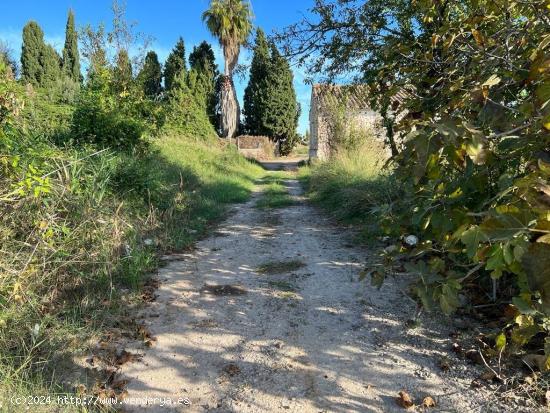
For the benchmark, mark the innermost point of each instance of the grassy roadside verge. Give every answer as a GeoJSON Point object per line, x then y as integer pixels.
{"type": "Point", "coordinates": [354, 189]}
{"type": "Point", "coordinates": [76, 256]}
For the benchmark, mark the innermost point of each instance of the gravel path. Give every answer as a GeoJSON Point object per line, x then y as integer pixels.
{"type": "Point", "coordinates": [308, 339]}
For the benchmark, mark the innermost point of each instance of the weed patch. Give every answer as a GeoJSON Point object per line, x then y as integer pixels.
{"type": "Point", "coordinates": [280, 267]}
{"type": "Point", "coordinates": [275, 195]}
{"type": "Point", "coordinates": [282, 286]}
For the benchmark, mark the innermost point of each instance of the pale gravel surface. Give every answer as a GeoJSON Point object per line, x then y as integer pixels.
{"type": "Point", "coordinates": [334, 345]}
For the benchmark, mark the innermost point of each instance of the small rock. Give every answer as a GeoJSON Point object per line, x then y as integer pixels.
{"type": "Point", "coordinates": [411, 240]}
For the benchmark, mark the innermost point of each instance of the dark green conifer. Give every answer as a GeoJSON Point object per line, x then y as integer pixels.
{"type": "Point", "coordinates": [122, 74]}
{"type": "Point", "coordinates": [203, 62]}
{"type": "Point", "coordinates": [255, 94]}
{"type": "Point", "coordinates": [51, 66]}
{"type": "Point", "coordinates": [31, 53]}
{"type": "Point", "coordinates": [281, 112]}
{"type": "Point", "coordinates": [175, 65]}
{"type": "Point", "coordinates": [71, 58]}
{"type": "Point", "coordinates": [150, 76]}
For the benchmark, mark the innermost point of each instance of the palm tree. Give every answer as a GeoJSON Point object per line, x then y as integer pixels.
{"type": "Point", "coordinates": [231, 22]}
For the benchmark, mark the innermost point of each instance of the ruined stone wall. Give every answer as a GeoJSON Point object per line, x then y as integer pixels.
{"type": "Point", "coordinates": [340, 117]}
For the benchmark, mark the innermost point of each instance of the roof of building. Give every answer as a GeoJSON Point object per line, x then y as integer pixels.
{"type": "Point", "coordinates": [353, 97]}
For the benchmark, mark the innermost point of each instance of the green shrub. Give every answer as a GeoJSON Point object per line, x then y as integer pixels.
{"type": "Point", "coordinates": [186, 111]}
{"type": "Point", "coordinates": [45, 117]}
{"type": "Point", "coordinates": [100, 119]}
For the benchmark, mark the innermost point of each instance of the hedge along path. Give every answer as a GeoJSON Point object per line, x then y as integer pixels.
{"type": "Point", "coordinates": [232, 336]}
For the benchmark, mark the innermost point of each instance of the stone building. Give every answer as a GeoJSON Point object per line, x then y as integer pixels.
{"type": "Point", "coordinates": [338, 111]}
{"type": "Point", "coordinates": [257, 147]}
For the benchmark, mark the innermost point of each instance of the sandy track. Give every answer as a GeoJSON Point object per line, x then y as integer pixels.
{"type": "Point", "coordinates": [310, 340]}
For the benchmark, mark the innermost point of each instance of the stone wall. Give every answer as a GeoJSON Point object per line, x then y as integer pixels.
{"type": "Point", "coordinates": [365, 122]}
{"type": "Point", "coordinates": [257, 147]}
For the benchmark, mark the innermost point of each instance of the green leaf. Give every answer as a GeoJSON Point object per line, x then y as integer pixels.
{"type": "Point", "coordinates": [377, 278]}
{"type": "Point", "coordinates": [544, 167]}
{"type": "Point", "coordinates": [508, 254]}
{"type": "Point", "coordinates": [500, 341]}
{"type": "Point", "coordinates": [506, 226]}
{"type": "Point", "coordinates": [522, 335]}
{"type": "Point", "coordinates": [423, 294]}
{"type": "Point", "coordinates": [471, 238]}
{"type": "Point", "coordinates": [536, 262]}
{"type": "Point", "coordinates": [523, 306]}
{"type": "Point", "coordinates": [544, 238]}
{"type": "Point", "coordinates": [476, 150]}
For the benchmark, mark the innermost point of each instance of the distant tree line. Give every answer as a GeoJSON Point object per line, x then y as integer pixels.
{"type": "Point", "coordinates": [270, 105]}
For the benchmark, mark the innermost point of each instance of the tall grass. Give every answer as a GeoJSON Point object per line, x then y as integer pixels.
{"type": "Point", "coordinates": [73, 258]}
{"type": "Point", "coordinates": [354, 187]}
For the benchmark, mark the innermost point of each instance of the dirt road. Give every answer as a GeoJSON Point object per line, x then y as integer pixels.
{"type": "Point", "coordinates": [268, 315]}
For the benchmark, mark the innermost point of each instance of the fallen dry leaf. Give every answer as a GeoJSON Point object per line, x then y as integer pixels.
{"type": "Point", "coordinates": [404, 400]}
{"type": "Point", "coordinates": [119, 384]}
{"type": "Point", "coordinates": [445, 364]}
{"type": "Point", "coordinates": [536, 361]}
{"type": "Point", "coordinates": [475, 356]}
{"type": "Point", "coordinates": [487, 375]}
{"type": "Point", "coordinates": [80, 389]}
{"type": "Point", "coordinates": [126, 357]}
{"type": "Point", "coordinates": [231, 369]}
{"type": "Point", "coordinates": [476, 384]}
{"type": "Point", "coordinates": [428, 402]}
{"type": "Point", "coordinates": [145, 334]}
{"type": "Point", "coordinates": [456, 348]}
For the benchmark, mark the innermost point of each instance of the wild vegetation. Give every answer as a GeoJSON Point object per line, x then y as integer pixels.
{"type": "Point", "coordinates": [470, 138]}
{"type": "Point", "coordinates": [99, 176]}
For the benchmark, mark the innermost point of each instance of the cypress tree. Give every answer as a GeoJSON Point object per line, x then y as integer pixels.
{"type": "Point", "coordinates": [122, 74]}
{"type": "Point", "coordinates": [202, 58]}
{"type": "Point", "coordinates": [203, 62]}
{"type": "Point", "coordinates": [255, 94]}
{"type": "Point", "coordinates": [281, 112]}
{"type": "Point", "coordinates": [71, 58]}
{"type": "Point", "coordinates": [31, 53]}
{"type": "Point", "coordinates": [150, 76]}
{"type": "Point", "coordinates": [51, 66]}
{"type": "Point", "coordinates": [175, 65]}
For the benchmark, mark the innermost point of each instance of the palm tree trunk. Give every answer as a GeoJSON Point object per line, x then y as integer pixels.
{"type": "Point", "coordinates": [229, 108]}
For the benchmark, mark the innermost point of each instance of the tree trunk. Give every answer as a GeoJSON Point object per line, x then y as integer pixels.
{"type": "Point", "coordinates": [229, 109]}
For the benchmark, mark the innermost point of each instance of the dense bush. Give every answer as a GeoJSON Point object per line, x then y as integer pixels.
{"type": "Point", "coordinates": [103, 118]}
{"type": "Point", "coordinates": [186, 109]}
{"type": "Point", "coordinates": [471, 80]}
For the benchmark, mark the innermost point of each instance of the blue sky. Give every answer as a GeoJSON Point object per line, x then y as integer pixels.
{"type": "Point", "coordinates": [164, 20]}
